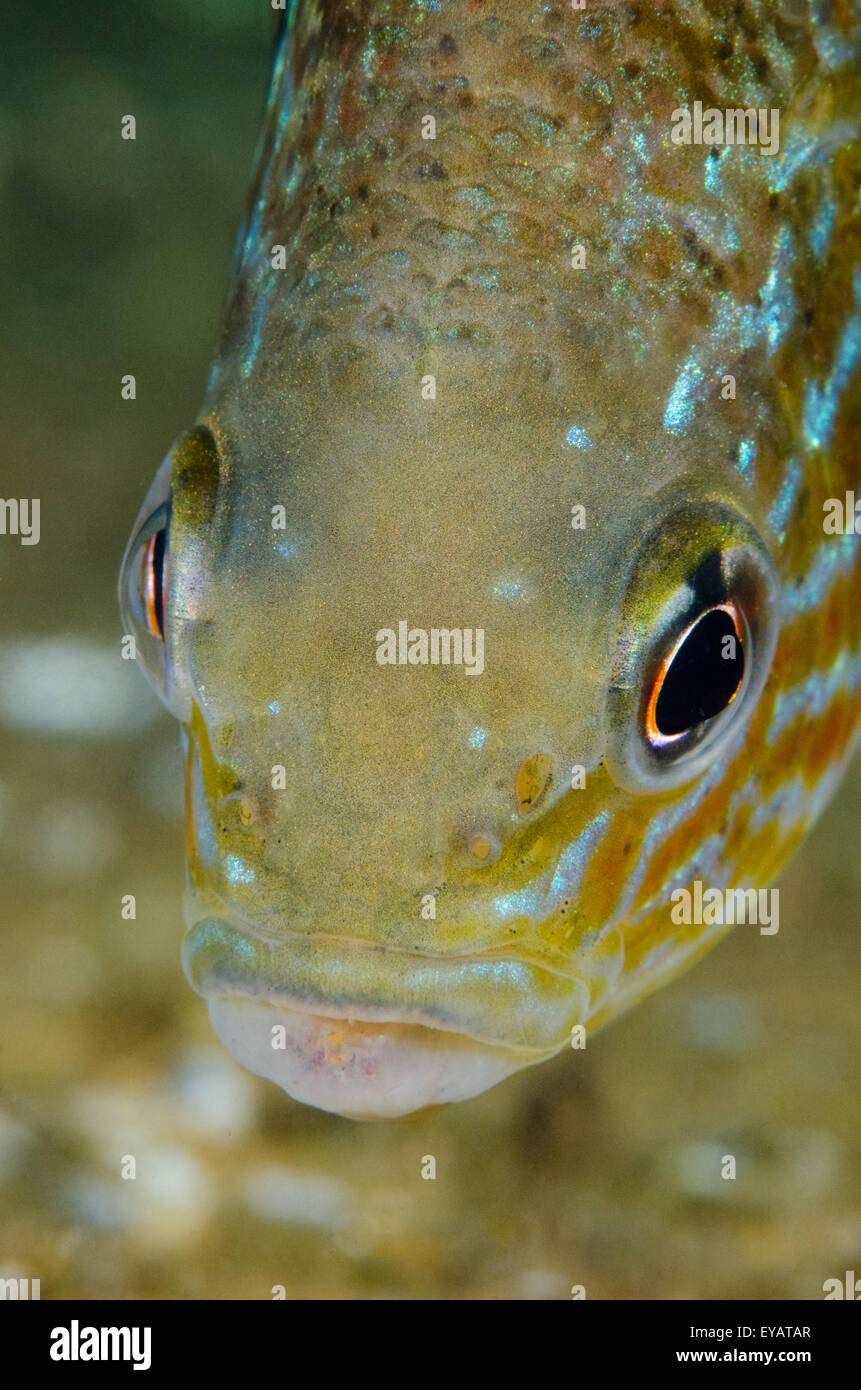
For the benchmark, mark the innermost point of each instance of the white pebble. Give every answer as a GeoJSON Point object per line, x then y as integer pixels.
{"type": "Point", "coordinates": [72, 686]}
{"type": "Point", "coordinates": [298, 1199]}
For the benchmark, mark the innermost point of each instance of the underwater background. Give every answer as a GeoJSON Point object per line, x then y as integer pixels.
{"type": "Point", "coordinates": [600, 1168]}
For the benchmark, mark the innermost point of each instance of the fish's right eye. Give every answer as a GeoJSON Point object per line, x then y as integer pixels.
{"type": "Point", "coordinates": [161, 562]}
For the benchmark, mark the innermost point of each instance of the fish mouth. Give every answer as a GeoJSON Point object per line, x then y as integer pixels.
{"type": "Point", "coordinates": [373, 1032]}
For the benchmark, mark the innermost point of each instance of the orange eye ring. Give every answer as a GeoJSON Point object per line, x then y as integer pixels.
{"type": "Point", "coordinates": [153, 563]}
{"type": "Point", "coordinates": [656, 737]}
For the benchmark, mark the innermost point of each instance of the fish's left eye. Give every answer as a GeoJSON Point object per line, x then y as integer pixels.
{"type": "Point", "coordinates": [700, 676]}
{"type": "Point", "coordinates": [698, 629]}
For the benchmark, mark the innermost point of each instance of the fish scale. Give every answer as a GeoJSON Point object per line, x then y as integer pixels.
{"type": "Point", "coordinates": [344, 887]}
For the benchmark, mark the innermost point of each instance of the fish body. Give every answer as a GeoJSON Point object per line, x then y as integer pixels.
{"type": "Point", "coordinates": [535, 370]}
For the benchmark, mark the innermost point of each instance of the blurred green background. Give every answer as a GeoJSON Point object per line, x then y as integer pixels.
{"type": "Point", "coordinates": [600, 1168]}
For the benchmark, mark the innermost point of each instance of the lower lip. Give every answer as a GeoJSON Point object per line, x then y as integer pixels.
{"type": "Point", "coordinates": [361, 1070]}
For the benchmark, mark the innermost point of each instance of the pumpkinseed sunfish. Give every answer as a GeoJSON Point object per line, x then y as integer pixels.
{"type": "Point", "coordinates": [507, 583]}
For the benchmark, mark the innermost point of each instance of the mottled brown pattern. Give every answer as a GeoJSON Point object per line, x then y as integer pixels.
{"type": "Point", "coordinates": [538, 111]}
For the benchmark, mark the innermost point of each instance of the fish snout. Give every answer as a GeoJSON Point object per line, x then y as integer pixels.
{"type": "Point", "coordinates": [366, 1031]}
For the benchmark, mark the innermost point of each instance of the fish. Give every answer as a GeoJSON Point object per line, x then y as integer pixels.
{"type": "Point", "coordinates": [511, 349]}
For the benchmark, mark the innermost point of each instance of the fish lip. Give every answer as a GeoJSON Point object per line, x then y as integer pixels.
{"type": "Point", "coordinates": [499, 1000]}
{"type": "Point", "coordinates": [363, 1071]}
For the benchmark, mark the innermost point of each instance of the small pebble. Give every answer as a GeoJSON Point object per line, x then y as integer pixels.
{"type": "Point", "coordinates": [297, 1199]}
{"type": "Point", "coordinates": [73, 687]}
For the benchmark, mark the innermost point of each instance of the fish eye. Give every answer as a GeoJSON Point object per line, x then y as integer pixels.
{"type": "Point", "coordinates": [697, 635]}
{"type": "Point", "coordinates": [700, 677]}
{"type": "Point", "coordinates": [143, 589]}
{"type": "Point", "coordinates": [144, 585]}
{"type": "Point", "coordinates": [177, 512]}
{"type": "Point", "coordinates": [153, 579]}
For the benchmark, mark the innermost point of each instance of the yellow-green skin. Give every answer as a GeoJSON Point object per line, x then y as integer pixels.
{"type": "Point", "coordinates": [408, 258]}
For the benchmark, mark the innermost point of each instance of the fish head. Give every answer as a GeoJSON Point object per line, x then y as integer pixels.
{"type": "Point", "coordinates": [407, 878]}
{"type": "Point", "coordinates": [574, 397]}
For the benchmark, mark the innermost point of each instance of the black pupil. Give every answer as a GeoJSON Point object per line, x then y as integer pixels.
{"type": "Point", "coordinates": [158, 576]}
{"type": "Point", "coordinates": [701, 680]}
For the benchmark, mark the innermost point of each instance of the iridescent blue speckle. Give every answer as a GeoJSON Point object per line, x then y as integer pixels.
{"type": "Point", "coordinates": [477, 738]}
{"type": "Point", "coordinates": [778, 300]}
{"type": "Point", "coordinates": [785, 500]}
{"type": "Point", "coordinates": [820, 229]}
{"type": "Point", "coordinates": [527, 900]}
{"type": "Point", "coordinates": [734, 329]}
{"type": "Point", "coordinates": [573, 860]}
{"type": "Point", "coordinates": [256, 329]}
{"type": "Point", "coordinates": [680, 405]}
{"type": "Point", "coordinates": [836, 556]}
{"type": "Point", "coordinates": [237, 872]}
{"type": "Point", "coordinates": [813, 696]}
{"type": "Point", "coordinates": [509, 588]}
{"type": "Point", "coordinates": [577, 438]}
{"type": "Point", "coordinates": [821, 401]}
{"type": "Point", "coordinates": [714, 168]}
{"type": "Point", "coordinates": [746, 457]}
